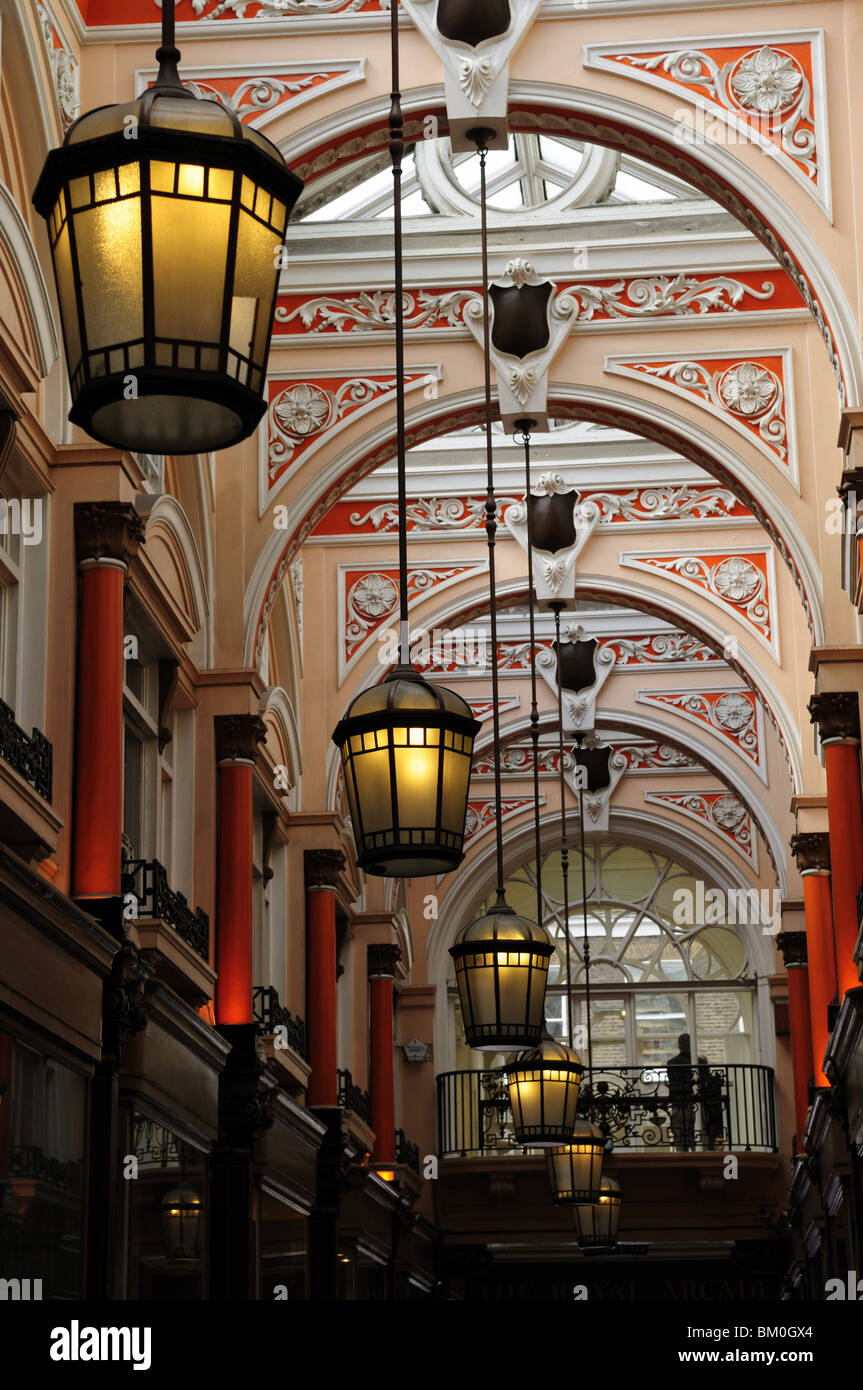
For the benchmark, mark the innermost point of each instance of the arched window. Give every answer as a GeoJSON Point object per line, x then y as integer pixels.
{"type": "Point", "coordinates": [663, 959]}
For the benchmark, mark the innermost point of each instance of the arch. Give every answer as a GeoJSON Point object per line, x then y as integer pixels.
{"type": "Point", "coordinates": [603, 119]}
{"type": "Point", "coordinates": [651, 420]}
{"type": "Point", "coordinates": [637, 827]}
{"type": "Point", "coordinates": [168, 521]}
{"type": "Point", "coordinates": [30, 281]}
{"type": "Point", "coordinates": [277, 713]}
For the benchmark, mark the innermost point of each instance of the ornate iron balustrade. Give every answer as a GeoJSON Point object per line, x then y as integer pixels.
{"type": "Point", "coordinates": [147, 879]}
{"type": "Point", "coordinates": [406, 1152]}
{"type": "Point", "coordinates": [32, 757]}
{"type": "Point", "coordinates": [270, 1014]}
{"type": "Point", "coordinates": [28, 1161]}
{"type": "Point", "coordinates": [352, 1098]}
{"type": "Point", "coordinates": [639, 1109]}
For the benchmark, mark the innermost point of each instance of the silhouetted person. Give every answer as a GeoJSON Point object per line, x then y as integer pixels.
{"type": "Point", "coordinates": [681, 1089]}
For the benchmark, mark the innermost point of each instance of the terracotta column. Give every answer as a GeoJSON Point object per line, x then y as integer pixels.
{"type": "Point", "coordinates": [838, 718]}
{"type": "Point", "coordinates": [382, 962]}
{"type": "Point", "coordinates": [793, 948]}
{"type": "Point", "coordinates": [106, 537]}
{"type": "Point", "coordinates": [323, 867]}
{"type": "Point", "coordinates": [237, 738]}
{"type": "Point", "coordinates": [812, 852]}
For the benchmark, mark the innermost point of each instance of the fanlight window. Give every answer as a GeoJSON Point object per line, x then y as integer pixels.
{"type": "Point", "coordinates": [655, 972]}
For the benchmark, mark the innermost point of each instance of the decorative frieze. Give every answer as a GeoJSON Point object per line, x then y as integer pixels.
{"type": "Point", "coordinates": [62, 62]}
{"type": "Point", "coordinates": [482, 813]}
{"type": "Point", "coordinates": [369, 602]}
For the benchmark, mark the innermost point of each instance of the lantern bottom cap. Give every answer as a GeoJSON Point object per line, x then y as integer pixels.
{"type": "Point", "coordinates": [190, 417]}
{"type": "Point", "coordinates": [501, 1043]}
{"type": "Point", "coordinates": [418, 866]}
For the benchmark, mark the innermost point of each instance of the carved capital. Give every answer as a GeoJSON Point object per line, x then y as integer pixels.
{"type": "Point", "coordinates": [107, 531]}
{"type": "Point", "coordinates": [382, 961]}
{"type": "Point", "coordinates": [852, 482]}
{"type": "Point", "coordinates": [238, 736]}
{"type": "Point", "coordinates": [837, 714]}
{"type": "Point", "coordinates": [246, 1095]}
{"type": "Point", "coordinates": [792, 944]}
{"type": "Point", "coordinates": [323, 867]}
{"type": "Point", "coordinates": [811, 852]}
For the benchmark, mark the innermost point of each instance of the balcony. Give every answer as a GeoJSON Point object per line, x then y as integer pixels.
{"type": "Point", "coordinates": [31, 757]}
{"type": "Point", "coordinates": [168, 932]}
{"type": "Point", "coordinates": [271, 1016]}
{"type": "Point", "coordinates": [712, 1109]}
{"type": "Point", "coordinates": [353, 1099]}
{"type": "Point", "coordinates": [28, 822]}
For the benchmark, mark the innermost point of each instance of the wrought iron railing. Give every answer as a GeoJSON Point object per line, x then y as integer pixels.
{"type": "Point", "coordinates": [703, 1108]}
{"type": "Point", "coordinates": [29, 1161]}
{"type": "Point", "coordinates": [147, 879]}
{"type": "Point", "coordinates": [406, 1152]}
{"type": "Point", "coordinates": [351, 1097]}
{"type": "Point", "coordinates": [270, 1014]}
{"type": "Point", "coordinates": [32, 757]}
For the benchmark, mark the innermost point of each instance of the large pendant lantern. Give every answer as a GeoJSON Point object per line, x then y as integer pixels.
{"type": "Point", "coordinates": [406, 748]}
{"type": "Point", "coordinates": [575, 1169]}
{"type": "Point", "coordinates": [166, 217]}
{"type": "Point", "coordinates": [543, 1092]}
{"type": "Point", "coordinates": [596, 1225]}
{"type": "Point", "coordinates": [501, 969]}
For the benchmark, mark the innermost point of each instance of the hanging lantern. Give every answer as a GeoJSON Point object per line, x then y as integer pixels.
{"type": "Point", "coordinates": [166, 217]}
{"type": "Point", "coordinates": [501, 969]}
{"type": "Point", "coordinates": [406, 749]}
{"type": "Point", "coordinates": [543, 1092]}
{"type": "Point", "coordinates": [596, 1224]}
{"type": "Point", "coordinates": [181, 1218]}
{"type": "Point", "coordinates": [575, 1169]}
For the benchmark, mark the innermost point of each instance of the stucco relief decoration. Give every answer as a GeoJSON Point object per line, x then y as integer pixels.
{"type": "Point", "coordinates": [579, 706]}
{"type": "Point", "coordinates": [481, 708]}
{"type": "Point", "coordinates": [436, 309]}
{"type": "Point", "coordinates": [517, 759]}
{"type": "Point", "coordinates": [482, 814]}
{"type": "Point", "coordinates": [371, 599]}
{"type": "Point", "coordinates": [474, 50]}
{"type": "Point", "coordinates": [63, 64]}
{"type": "Point", "coordinates": [554, 571]}
{"type": "Point", "coordinates": [300, 413]}
{"type": "Point", "coordinates": [740, 582]}
{"type": "Point", "coordinates": [277, 9]}
{"type": "Point", "coordinates": [662, 647]}
{"type": "Point", "coordinates": [721, 811]}
{"type": "Point", "coordinates": [732, 714]}
{"type": "Point", "coordinates": [596, 804]}
{"type": "Point", "coordinates": [766, 86]}
{"type": "Point", "coordinates": [441, 515]}
{"type": "Point", "coordinates": [522, 382]}
{"type": "Point", "coordinates": [253, 97]}
{"type": "Point", "coordinates": [751, 392]}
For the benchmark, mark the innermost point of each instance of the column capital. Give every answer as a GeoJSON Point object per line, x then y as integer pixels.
{"type": "Point", "coordinates": [837, 714]}
{"type": "Point", "coordinates": [238, 736]}
{"type": "Point", "coordinates": [323, 867]}
{"type": "Point", "coordinates": [792, 944]}
{"type": "Point", "coordinates": [382, 960]}
{"type": "Point", "coordinates": [812, 852]}
{"type": "Point", "coordinates": [107, 531]}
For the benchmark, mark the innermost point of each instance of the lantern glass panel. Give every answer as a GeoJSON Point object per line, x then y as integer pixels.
{"type": "Point", "coordinates": [575, 1169]}
{"type": "Point", "coordinates": [597, 1224]}
{"type": "Point", "coordinates": [543, 1092]}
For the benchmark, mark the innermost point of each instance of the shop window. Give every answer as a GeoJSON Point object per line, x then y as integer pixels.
{"type": "Point", "coordinates": [168, 1214]}
{"type": "Point", "coordinates": [42, 1174]}
{"type": "Point", "coordinates": [282, 1249]}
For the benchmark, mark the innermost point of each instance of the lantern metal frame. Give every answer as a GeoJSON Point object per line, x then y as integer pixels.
{"type": "Point", "coordinates": [396, 849]}
{"type": "Point", "coordinates": [216, 373]}
{"type": "Point", "coordinates": [557, 1071]}
{"type": "Point", "coordinates": [597, 1223]}
{"type": "Point", "coordinates": [502, 941]}
{"type": "Point", "coordinates": [575, 1168]}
